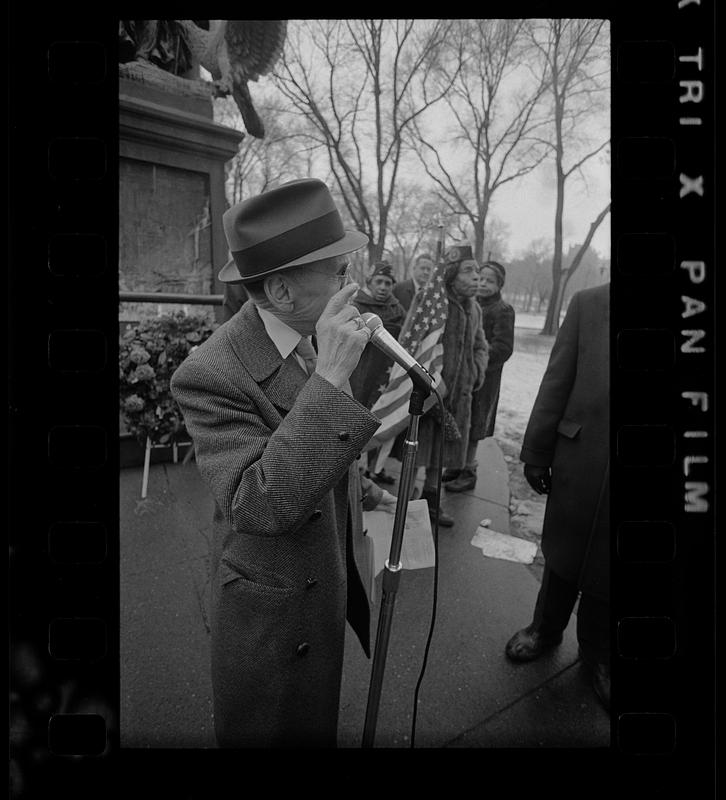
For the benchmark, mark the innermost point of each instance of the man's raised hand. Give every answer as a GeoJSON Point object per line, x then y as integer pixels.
{"type": "Point", "coordinates": [341, 335]}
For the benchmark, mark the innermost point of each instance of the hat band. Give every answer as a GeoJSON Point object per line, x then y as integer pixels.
{"type": "Point", "coordinates": [289, 245]}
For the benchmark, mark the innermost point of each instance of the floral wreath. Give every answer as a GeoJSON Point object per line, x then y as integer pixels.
{"type": "Point", "coordinates": [149, 353]}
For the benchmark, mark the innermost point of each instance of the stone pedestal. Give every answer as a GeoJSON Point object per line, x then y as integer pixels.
{"type": "Point", "coordinates": [172, 159]}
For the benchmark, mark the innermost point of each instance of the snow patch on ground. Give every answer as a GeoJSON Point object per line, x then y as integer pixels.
{"type": "Point", "coordinates": [521, 377]}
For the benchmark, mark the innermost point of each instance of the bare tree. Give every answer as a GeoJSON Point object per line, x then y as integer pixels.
{"type": "Point", "coordinates": [261, 164]}
{"type": "Point", "coordinates": [418, 222]}
{"type": "Point", "coordinates": [360, 85]}
{"type": "Point", "coordinates": [496, 238]}
{"type": "Point", "coordinates": [568, 271]}
{"type": "Point", "coordinates": [528, 275]}
{"type": "Point", "coordinates": [413, 224]}
{"type": "Point", "coordinates": [495, 119]}
{"type": "Point", "coordinates": [573, 59]}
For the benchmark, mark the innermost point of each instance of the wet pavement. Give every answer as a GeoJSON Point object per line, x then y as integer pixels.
{"type": "Point", "coordinates": [471, 696]}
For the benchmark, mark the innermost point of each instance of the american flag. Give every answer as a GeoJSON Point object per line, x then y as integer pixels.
{"type": "Point", "coordinates": [421, 336]}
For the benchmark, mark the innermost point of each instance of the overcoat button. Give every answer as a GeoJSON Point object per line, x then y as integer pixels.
{"type": "Point", "coordinates": [344, 436]}
{"type": "Point", "coordinates": [310, 582]}
{"type": "Point", "coordinates": [302, 649]}
{"type": "Point", "coordinates": [316, 515]}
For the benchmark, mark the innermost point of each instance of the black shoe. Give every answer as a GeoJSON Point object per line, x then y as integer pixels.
{"type": "Point", "coordinates": [465, 481]}
{"type": "Point", "coordinates": [382, 478]}
{"type": "Point", "coordinates": [450, 475]}
{"type": "Point", "coordinates": [445, 521]}
{"type": "Point", "coordinates": [529, 644]}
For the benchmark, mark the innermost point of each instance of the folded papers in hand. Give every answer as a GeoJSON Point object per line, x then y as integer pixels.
{"type": "Point", "coordinates": [501, 545]}
{"type": "Point", "coordinates": [417, 550]}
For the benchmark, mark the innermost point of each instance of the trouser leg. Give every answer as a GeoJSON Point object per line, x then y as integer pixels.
{"type": "Point", "coordinates": [372, 456]}
{"type": "Point", "coordinates": [471, 462]}
{"type": "Point", "coordinates": [428, 493]}
{"type": "Point", "coordinates": [555, 602]}
{"type": "Point", "coordinates": [432, 478]}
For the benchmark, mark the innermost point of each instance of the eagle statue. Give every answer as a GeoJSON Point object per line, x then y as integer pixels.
{"type": "Point", "coordinates": [235, 51]}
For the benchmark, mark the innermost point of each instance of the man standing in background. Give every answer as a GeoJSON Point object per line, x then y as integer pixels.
{"type": "Point", "coordinates": [405, 291]}
{"type": "Point", "coordinates": [566, 455]}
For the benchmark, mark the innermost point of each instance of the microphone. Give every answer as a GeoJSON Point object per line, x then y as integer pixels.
{"type": "Point", "coordinates": [383, 340]}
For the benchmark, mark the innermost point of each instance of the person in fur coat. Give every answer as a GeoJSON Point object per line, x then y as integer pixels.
{"type": "Point", "coordinates": [498, 322]}
{"type": "Point", "coordinates": [464, 368]}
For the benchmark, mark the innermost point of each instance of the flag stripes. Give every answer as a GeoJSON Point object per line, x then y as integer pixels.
{"type": "Point", "coordinates": [399, 382]}
{"type": "Point", "coordinates": [421, 336]}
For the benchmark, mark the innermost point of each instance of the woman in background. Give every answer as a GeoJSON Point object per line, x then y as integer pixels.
{"type": "Point", "coordinates": [463, 373]}
{"type": "Point", "coordinates": [498, 324]}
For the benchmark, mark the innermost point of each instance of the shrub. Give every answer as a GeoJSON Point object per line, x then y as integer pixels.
{"type": "Point", "coordinates": [149, 352]}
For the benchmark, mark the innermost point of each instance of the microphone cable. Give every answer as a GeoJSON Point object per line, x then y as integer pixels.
{"type": "Point", "coordinates": [436, 567]}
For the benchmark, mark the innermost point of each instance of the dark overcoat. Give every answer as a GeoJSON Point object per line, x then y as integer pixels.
{"type": "Point", "coordinates": [370, 375]}
{"type": "Point", "coordinates": [404, 292]}
{"type": "Point", "coordinates": [463, 370]}
{"type": "Point", "coordinates": [568, 431]}
{"type": "Point", "coordinates": [235, 296]}
{"type": "Point", "coordinates": [289, 557]}
{"type": "Point", "coordinates": [498, 323]}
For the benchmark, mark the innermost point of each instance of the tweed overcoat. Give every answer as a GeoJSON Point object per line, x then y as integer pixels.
{"type": "Point", "coordinates": [568, 430]}
{"type": "Point", "coordinates": [371, 373]}
{"type": "Point", "coordinates": [498, 323]}
{"type": "Point", "coordinates": [289, 557]}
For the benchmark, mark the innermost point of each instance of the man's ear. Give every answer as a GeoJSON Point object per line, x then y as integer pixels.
{"type": "Point", "coordinates": [279, 292]}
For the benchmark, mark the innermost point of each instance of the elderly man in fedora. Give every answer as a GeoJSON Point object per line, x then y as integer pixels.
{"type": "Point", "coordinates": [277, 435]}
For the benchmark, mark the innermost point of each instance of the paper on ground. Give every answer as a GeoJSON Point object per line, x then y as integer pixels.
{"type": "Point", "coordinates": [501, 545]}
{"type": "Point", "coordinates": [417, 550]}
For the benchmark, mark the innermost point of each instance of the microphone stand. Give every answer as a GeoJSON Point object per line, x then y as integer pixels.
{"type": "Point", "coordinates": [392, 570]}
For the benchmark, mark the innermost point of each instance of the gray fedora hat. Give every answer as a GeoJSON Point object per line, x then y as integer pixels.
{"type": "Point", "coordinates": [294, 224]}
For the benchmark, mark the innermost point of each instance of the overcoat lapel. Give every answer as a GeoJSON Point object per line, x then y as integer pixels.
{"type": "Point", "coordinates": [284, 386]}
{"type": "Point", "coordinates": [281, 379]}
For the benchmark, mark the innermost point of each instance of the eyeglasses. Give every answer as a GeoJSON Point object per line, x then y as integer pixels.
{"type": "Point", "coordinates": [342, 275]}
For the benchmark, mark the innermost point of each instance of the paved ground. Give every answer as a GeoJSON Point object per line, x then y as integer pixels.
{"type": "Point", "coordinates": [470, 696]}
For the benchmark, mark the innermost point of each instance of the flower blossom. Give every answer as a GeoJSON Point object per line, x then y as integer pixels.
{"type": "Point", "coordinates": [133, 403]}
{"type": "Point", "coordinates": [139, 355]}
{"type": "Point", "coordinates": [144, 372]}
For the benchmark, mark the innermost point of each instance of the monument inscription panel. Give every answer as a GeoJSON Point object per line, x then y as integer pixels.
{"type": "Point", "coordinates": [165, 241]}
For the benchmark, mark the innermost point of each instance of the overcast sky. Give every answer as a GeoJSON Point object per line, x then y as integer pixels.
{"type": "Point", "coordinates": [526, 206]}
